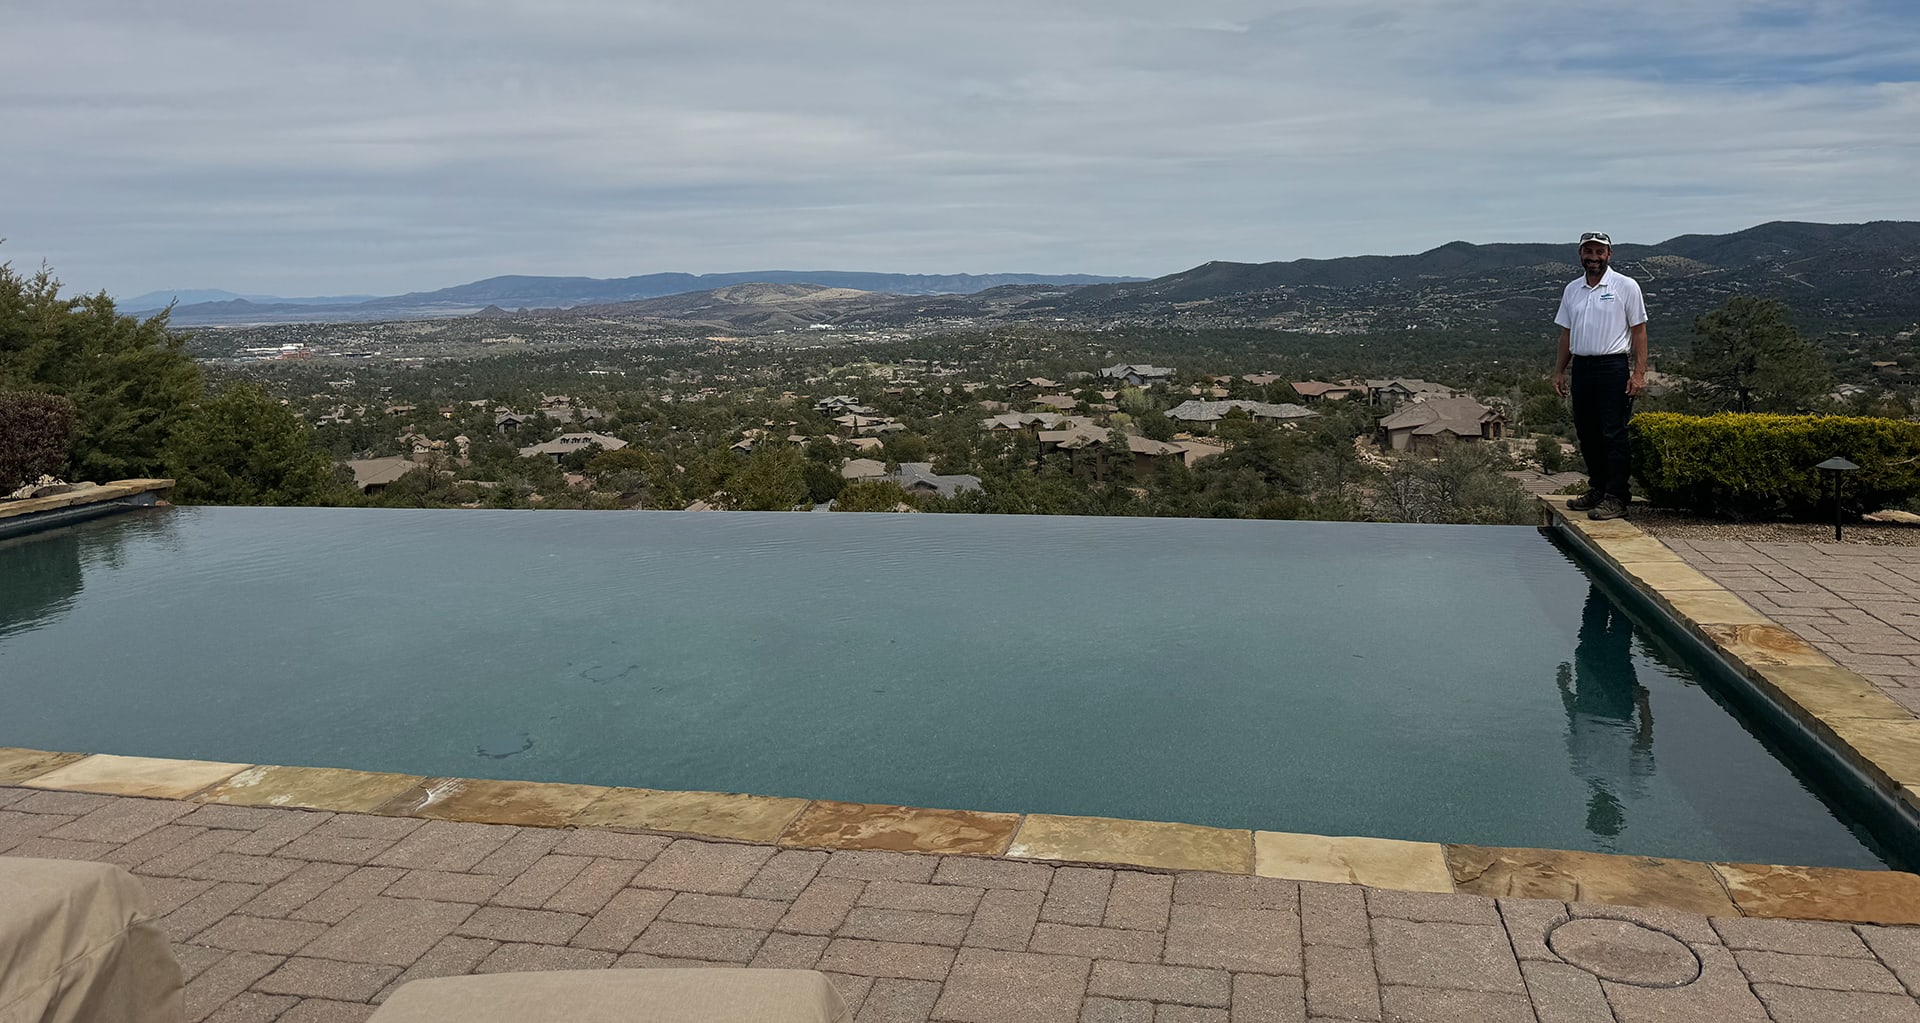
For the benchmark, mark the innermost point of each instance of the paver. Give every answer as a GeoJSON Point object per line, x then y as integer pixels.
{"type": "Point", "coordinates": [956, 939]}
{"type": "Point", "coordinates": [698, 941]}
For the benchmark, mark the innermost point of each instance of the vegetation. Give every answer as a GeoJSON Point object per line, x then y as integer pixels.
{"type": "Point", "coordinates": [131, 382]}
{"type": "Point", "coordinates": [1748, 356]}
{"type": "Point", "coordinates": [35, 432]}
{"type": "Point", "coordinates": [1762, 466]}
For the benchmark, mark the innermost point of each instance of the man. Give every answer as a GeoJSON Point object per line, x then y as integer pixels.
{"type": "Point", "coordinates": [1603, 341]}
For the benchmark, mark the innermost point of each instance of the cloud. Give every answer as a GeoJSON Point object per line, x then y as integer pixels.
{"type": "Point", "coordinates": [382, 148]}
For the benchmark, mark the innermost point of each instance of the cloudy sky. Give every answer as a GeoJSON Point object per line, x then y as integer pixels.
{"type": "Point", "coordinates": [377, 147]}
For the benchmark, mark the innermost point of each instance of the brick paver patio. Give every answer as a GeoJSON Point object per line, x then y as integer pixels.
{"type": "Point", "coordinates": [1859, 604]}
{"type": "Point", "coordinates": [309, 916]}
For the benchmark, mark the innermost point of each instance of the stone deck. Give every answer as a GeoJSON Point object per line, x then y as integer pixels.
{"type": "Point", "coordinates": [1859, 605]}
{"type": "Point", "coordinates": [306, 916]}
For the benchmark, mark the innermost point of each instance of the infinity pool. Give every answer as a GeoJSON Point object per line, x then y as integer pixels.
{"type": "Point", "coordinates": [1443, 683]}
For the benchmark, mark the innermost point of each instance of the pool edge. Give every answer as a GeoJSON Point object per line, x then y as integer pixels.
{"type": "Point", "coordinates": [1709, 888]}
{"type": "Point", "coordinates": [18, 518]}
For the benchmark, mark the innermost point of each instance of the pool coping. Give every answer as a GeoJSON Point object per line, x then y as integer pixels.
{"type": "Point", "coordinates": [1849, 718]}
{"type": "Point", "coordinates": [85, 501]}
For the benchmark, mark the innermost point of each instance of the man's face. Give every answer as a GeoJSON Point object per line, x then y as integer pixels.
{"type": "Point", "coordinates": [1593, 257]}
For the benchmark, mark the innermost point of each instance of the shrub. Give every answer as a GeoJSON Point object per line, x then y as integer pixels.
{"type": "Point", "coordinates": [36, 432]}
{"type": "Point", "coordinates": [1762, 466]}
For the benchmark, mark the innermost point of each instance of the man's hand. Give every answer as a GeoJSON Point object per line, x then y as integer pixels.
{"type": "Point", "coordinates": [1636, 382]}
{"type": "Point", "coordinates": [1560, 383]}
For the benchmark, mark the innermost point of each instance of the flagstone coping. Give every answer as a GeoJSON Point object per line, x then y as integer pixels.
{"type": "Point", "coordinates": [1863, 727]}
{"type": "Point", "coordinates": [115, 491]}
{"type": "Point", "coordinates": [1715, 889]}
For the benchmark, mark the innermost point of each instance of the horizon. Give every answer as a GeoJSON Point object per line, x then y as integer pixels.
{"type": "Point", "coordinates": [352, 150]}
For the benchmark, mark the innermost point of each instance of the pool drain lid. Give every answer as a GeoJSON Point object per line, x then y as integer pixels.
{"type": "Point", "coordinates": [1626, 952]}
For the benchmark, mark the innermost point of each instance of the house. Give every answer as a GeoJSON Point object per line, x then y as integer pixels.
{"type": "Point", "coordinates": [840, 405]}
{"type": "Point", "coordinates": [1260, 411]}
{"type": "Point", "coordinates": [568, 443]}
{"type": "Point", "coordinates": [912, 477]}
{"type": "Point", "coordinates": [919, 478]}
{"type": "Point", "coordinates": [856, 424]}
{"type": "Point", "coordinates": [371, 475]}
{"type": "Point", "coordinates": [1137, 375]}
{"type": "Point", "coordinates": [1033, 384]}
{"type": "Point", "coordinates": [1193, 451]}
{"type": "Point", "coordinates": [1091, 451]}
{"type": "Point", "coordinates": [1394, 392]}
{"type": "Point", "coordinates": [864, 443]}
{"type": "Point", "coordinates": [1063, 402]}
{"type": "Point", "coordinates": [1319, 390]}
{"type": "Point", "coordinates": [1421, 424]}
{"type": "Point", "coordinates": [1261, 379]}
{"type": "Point", "coordinates": [507, 422]}
{"type": "Point", "coordinates": [1029, 422]}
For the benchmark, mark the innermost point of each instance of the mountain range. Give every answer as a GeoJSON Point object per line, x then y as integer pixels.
{"type": "Point", "coordinates": [1863, 277]}
{"type": "Point", "coordinates": [210, 307]}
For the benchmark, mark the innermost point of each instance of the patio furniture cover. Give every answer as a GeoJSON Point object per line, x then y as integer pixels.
{"type": "Point", "coordinates": [620, 996]}
{"type": "Point", "coordinates": [79, 944]}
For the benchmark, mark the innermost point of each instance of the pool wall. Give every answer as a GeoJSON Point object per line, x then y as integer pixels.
{"type": "Point", "coordinates": [1834, 720]}
{"type": "Point", "coordinates": [86, 501]}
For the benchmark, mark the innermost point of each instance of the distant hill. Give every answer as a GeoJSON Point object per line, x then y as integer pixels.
{"type": "Point", "coordinates": [1833, 275]}
{"type": "Point", "coordinates": [155, 300]}
{"type": "Point", "coordinates": [517, 291]}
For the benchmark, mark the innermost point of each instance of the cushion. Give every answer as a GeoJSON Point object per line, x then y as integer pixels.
{"type": "Point", "coordinates": [78, 944]}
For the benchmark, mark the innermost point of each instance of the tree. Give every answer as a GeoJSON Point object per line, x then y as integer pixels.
{"type": "Point", "coordinates": [243, 447]}
{"type": "Point", "coordinates": [131, 381]}
{"type": "Point", "coordinates": [1749, 353]}
{"type": "Point", "coordinates": [774, 478]}
{"type": "Point", "coordinates": [871, 496]}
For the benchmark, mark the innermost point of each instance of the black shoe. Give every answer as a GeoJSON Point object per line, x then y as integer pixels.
{"type": "Point", "coordinates": [1584, 501]}
{"type": "Point", "coordinates": [1608, 508]}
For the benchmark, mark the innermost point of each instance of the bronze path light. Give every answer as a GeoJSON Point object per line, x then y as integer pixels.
{"type": "Point", "coordinates": [1834, 467]}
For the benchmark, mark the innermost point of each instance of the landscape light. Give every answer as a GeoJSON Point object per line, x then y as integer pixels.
{"type": "Point", "coordinates": [1834, 467]}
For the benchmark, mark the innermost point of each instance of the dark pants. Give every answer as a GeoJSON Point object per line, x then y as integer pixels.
{"type": "Point", "coordinates": [1601, 408]}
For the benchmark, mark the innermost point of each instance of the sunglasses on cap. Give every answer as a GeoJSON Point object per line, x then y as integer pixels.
{"type": "Point", "coordinates": [1597, 236]}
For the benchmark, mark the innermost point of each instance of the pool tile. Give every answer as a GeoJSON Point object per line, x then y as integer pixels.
{"type": "Point", "coordinates": [713, 814]}
{"type": "Point", "coordinates": [310, 788]}
{"type": "Point", "coordinates": [1569, 876]}
{"type": "Point", "coordinates": [18, 765]}
{"type": "Point", "coordinates": [151, 777]}
{"type": "Point", "coordinates": [1378, 862]}
{"type": "Point", "coordinates": [1828, 693]}
{"type": "Point", "coordinates": [1712, 607]}
{"type": "Point", "coordinates": [1891, 748]}
{"type": "Point", "coordinates": [1138, 843]}
{"type": "Point", "coordinates": [1823, 893]}
{"type": "Point", "coordinates": [832, 825]}
{"type": "Point", "coordinates": [1672, 577]}
{"type": "Point", "coordinates": [526, 803]}
{"type": "Point", "coordinates": [1758, 645]}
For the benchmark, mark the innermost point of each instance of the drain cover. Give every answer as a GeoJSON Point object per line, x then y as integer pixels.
{"type": "Point", "coordinates": [1623, 951]}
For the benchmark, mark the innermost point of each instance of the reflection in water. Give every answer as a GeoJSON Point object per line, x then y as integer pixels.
{"type": "Point", "coordinates": [1609, 716]}
{"type": "Point", "coordinates": [44, 570]}
{"type": "Point", "coordinates": [43, 577]}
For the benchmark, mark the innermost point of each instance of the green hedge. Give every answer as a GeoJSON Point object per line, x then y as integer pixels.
{"type": "Point", "coordinates": [1762, 466]}
{"type": "Point", "coordinates": [36, 431]}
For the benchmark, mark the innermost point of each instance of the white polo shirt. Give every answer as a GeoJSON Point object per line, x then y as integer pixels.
{"type": "Point", "coordinates": [1599, 317]}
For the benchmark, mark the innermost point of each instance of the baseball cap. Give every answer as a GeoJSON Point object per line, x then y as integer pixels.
{"type": "Point", "coordinates": [1597, 236]}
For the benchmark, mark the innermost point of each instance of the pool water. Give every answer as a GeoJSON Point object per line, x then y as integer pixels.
{"type": "Point", "coordinates": [1442, 683]}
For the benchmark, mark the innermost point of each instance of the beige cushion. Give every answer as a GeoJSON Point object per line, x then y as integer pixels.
{"type": "Point", "coordinates": [78, 944]}
{"type": "Point", "coordinates": [620, 996]}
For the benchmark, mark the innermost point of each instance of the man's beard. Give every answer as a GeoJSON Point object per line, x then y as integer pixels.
{"type": "Point", "coordinates": [1588, 266]}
